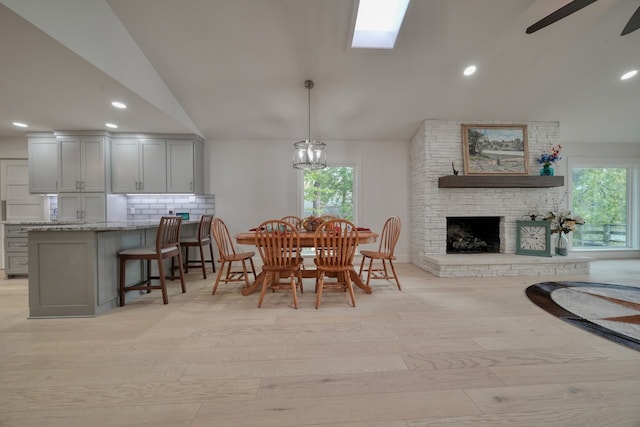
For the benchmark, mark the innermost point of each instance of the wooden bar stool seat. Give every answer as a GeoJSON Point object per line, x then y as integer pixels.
{"type": "Point", "coordinates": [167, 246]}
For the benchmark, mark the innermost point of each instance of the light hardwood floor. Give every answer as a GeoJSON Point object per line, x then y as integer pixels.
{"type": "Point", "coordinates": [441, 352]}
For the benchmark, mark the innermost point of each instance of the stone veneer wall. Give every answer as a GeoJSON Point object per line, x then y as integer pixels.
{"type": "Point", "coordinates": [434, 146]}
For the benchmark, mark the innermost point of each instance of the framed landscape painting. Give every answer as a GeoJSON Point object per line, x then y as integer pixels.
{"type": "Point", "coordinates": [495, 149]}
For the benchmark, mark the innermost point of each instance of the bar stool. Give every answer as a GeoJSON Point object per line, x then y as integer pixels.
{"type": "Point", "coordinates": [201, 240]}
{"type": "Point", "coordinates": [167, 246]}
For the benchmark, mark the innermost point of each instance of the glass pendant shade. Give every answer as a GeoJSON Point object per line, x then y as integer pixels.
{"type": "Point", "coordinates": [309, 154]}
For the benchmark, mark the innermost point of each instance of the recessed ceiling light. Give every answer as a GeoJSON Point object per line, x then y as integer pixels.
{"type": "Point", "coordinates": [469, 70]}
{"type": "Point", "coordinates": [119, 104]}
{"type": "Point", "coordinates": [628, 74]}
{"type": "Point", "coordinates": [111, 125]}
{"type": "Point", "coordinates": [20, 124]}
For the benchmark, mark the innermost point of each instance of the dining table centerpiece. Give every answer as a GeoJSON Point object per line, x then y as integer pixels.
{"type": "Point", "coordinates": [563, 222]}
{"type": "Point", "coordinates": [549, 157]}
{"type": "Point", "coordinates": [311, 223]}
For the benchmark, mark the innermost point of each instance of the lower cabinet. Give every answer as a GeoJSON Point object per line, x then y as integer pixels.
{"type": "Point", "coordinates": [16, 251]}
{"type": "Point", "coordinates": [82, 207]}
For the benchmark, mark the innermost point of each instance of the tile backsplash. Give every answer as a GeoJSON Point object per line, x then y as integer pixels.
{"type": "Point", "coordinates": [146, 207]}
{"type": "Point", "coordinates": [154, 206]}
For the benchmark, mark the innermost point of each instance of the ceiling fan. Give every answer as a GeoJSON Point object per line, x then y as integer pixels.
{"type": "Point", "coordinates": [574, 6]}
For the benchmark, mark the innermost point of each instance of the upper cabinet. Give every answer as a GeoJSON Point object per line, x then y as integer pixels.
{"type": "Point", "coordinates": [138, 165]}
{"type": "Point", "coordinates": [98, 161]}
{"type": "Point", "coordinates": [82, 163]}
{"type": "Point", "coordinates": [185, 166]}
{"type": "Point", "coordinates": [43, 163]}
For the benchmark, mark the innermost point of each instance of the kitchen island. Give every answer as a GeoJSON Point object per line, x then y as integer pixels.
{"type": "Point", "coordinates": [73, 268]}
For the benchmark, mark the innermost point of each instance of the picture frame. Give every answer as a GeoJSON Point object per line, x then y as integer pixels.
{"type": "Point", "coordinates": [495, 149]}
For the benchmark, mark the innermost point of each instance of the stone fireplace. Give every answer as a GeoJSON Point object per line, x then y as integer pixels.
{"type": "Point", "coordinates": [435, 149]}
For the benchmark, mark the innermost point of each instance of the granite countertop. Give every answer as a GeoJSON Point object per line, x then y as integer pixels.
{"type": "Point", "coordinates": [91, 226]}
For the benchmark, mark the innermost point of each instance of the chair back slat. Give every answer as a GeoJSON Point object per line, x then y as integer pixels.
{"type": "Point", "coordinates": [278, 244]}
{"type": "Point", "coordinates": [223, 238]}
{"type": "Point", "coordinates": [335, 242]}
{"type": "Point", "coordinates": [390, 235]}
{"type": "Point", "coordinates": [293, 220]}
{"type": "Point", "coordinates": [168, 232]}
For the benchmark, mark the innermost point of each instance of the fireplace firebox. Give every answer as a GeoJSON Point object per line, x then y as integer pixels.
{"type": "Point", "coordinates": [473, 234]}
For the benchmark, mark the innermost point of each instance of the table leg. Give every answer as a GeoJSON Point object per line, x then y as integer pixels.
{"type": "Point", "coordinates": [255, 285]}
{"type": "Point", "coordinates": [358, 282]}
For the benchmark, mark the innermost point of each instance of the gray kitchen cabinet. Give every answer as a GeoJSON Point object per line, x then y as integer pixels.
{"type": "Point", "coordinates": [43, 163]}
{"type": "Point", "coordinates": [138, 165]}
{"type": "Point", "coordinates": [16, 251]}
{"type": "Point", "coordinates": [185, 166]}
{"type": "Point", "coordinates": [82, 163]}
{"type": "Point", "coordinates": [82, 207]}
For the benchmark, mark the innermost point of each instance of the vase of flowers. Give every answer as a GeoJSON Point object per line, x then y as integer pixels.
{"type": "Point", "coordinates": [548, 158]}
{"type": "Point", "coordinates": [562, 223]}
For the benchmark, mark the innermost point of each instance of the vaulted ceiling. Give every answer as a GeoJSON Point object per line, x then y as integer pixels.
{"type": "Point", "coordinates": [235, 69]}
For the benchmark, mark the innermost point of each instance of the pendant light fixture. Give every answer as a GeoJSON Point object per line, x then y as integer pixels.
{"type": "Point", "coordinates": [309, 154]}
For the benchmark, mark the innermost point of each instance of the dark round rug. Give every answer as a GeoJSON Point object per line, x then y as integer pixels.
{"type": "Point", "coordinates": [610, 311]}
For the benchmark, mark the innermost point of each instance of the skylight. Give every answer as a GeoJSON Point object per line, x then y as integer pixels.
{"type": "Point", "coordinates": [378, 23]}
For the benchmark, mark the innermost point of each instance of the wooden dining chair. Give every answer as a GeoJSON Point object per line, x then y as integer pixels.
{"type": "Point", "coordinates": [201, 240]}
{"type": "Point", "coordinates": [296, 221]}
{"type": "Point", "coordinates": [227, 256]}
{"type": "Point", "coordinates": [167, 246]}
{"type": "Point", "coordinates": [335, 244]}
{"type": "Point", "coordinates": [278, 243]}
{"type": "Point", "coordinates": [388, 240]}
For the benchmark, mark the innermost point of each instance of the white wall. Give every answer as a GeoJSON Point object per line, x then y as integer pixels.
{"type": "Point", "coordinates": [254, 180]}
{"type": "Point", "coordinates": [13, 148]}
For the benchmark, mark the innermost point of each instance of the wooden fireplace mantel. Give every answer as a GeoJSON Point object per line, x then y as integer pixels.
{"type": "Point", "coordinates": [500, 181]}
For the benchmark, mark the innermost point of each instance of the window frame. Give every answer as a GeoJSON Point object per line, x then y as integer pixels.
{"type": "Point", "coordinates": [356, 186]}
{"type": "Point", "coordinates": [632, 165]}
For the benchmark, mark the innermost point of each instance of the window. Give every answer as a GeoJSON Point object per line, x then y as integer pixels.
{"type": "Point", "coordinates": [603, 197]}
{"type": "Point", "coordinates": [329, 191]}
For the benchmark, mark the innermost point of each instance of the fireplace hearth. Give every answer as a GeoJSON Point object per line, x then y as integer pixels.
{"type": "Point", "coordinates": [473, 234]}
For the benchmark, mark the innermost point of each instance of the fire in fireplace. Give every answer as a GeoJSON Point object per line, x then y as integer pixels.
{"type": "Point", "coordinates": [473, 234]}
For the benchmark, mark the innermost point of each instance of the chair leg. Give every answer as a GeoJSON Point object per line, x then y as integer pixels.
{"type": "Point", "coordinates": [148, 277]}
{"type": "Point", "coordinates": [300, 281]}
{"type": "Point", "coordinates": [181, 270]}
{"type": "Point", "coordinates": [204, 265]}
{"type": "Point", "coordinates": [349, 285]}
{"type": "Point", "coordinates": [253, 269]}
{"type": "Point", "coordinates": [186, 259]}
{"type": "Point", "coordinates": [245, 273]}
{"type": "Point", "coordinates": [395, 275]}
{"type": "Point", "coordinates": [163, 283]}
{"type": "Point", "coordinates": [361, 266]}
{"type": "Point", "coordinates": [122, 281]}
{"type": "Point", "coordinates": [218, 277]}
{"type": "Point", "coordinates": [265, 284]}
{"type": "Point", "coordinates": [319, 286]}
{"type": "Point", "coordinates": [369, 272]}
{"type": "Point", "coordinates": [293, 290]}
{"type": "Point", "coordinates": [213, 260]}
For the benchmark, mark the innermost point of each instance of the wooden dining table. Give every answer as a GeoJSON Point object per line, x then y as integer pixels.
{"type": "Point", "coordinates": [306, 241]}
